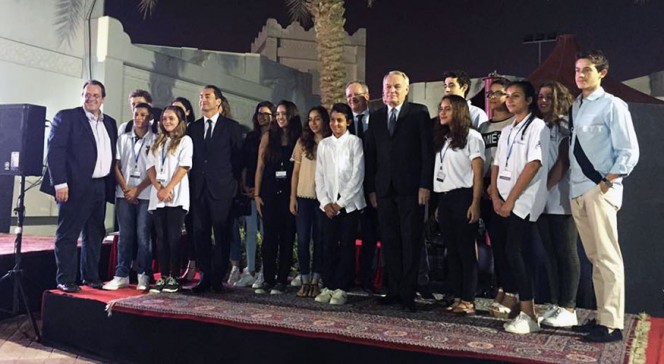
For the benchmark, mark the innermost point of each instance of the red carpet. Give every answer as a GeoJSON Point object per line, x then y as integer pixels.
{"type": "Point", "coordinates": [655, 350]}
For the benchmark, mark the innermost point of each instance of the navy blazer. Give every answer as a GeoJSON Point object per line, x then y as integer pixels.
{"type": "Point", "coordinates": [216, 164]}
{"type": "Point", "coordinates": [403, 161]}
{"type": "Point", "coordinates": [72, 154]}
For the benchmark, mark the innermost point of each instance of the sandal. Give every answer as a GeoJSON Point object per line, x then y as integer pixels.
{"type": "Point", "coordinates": [450, 308]}
{"type": "Point", "coordinates": [464, 308]}
{"type": "Point", "coordinates": [305, 290]}
{"type": "Point", "coordinates": [315, 290]}
{"type": "Point", "coordinates": [502, 311]}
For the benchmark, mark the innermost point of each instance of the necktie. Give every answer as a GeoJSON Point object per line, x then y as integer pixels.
{"type": "Point", "coordinates": [208, 133]}
{"type": "Point", "coordinates": [359, 126]}
{"type": "Point", "coordinates": [393, 121]}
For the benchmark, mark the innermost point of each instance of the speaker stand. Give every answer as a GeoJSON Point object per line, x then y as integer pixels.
{"type": "Point", "coordinates": [16, 274]}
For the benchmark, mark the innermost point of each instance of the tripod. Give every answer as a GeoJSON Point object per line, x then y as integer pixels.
{"type": "Point", "coordinates": [16, 273]}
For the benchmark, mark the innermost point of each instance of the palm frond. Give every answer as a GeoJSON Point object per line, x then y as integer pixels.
{"type": "Point", "coordinates": [298, 11]}
{"type": "Point", "coordinates": [146, 7]}
{"type": "Point", "coordinates": [68, 18]}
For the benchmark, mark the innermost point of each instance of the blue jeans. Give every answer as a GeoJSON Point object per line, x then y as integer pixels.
{"type": "Point", "coordinates": [236, 241]}
{"type": "Point", "coordinates": [307, 223]}
{"type": "Point", "coordinates": [253, 221]}
{"type": "Point", "coordinates": [135, 228]}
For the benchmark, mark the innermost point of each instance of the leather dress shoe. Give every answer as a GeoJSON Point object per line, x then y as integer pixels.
{"type": "Point", "coordinates": [409, 306]}
{"type": "Point", "coordinates": [69, 287]}
{"type": "Point", "coordinates": [93, 284]}
{"type": "Point", "coordinates": [389, 300]}
{"type": "Point", "coordinates": [602, 335]}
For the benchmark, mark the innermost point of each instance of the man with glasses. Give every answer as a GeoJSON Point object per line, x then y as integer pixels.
{"type": "Point", "coordinates": [80, 158]}
{"type": "Point", "coordinates": [458, 83]}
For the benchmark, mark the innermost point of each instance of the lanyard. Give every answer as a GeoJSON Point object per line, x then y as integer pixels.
{"type": "Point", "coordinates": [443, 151]}
{"type": "Point", "coordinates": [133, 150]}
{"type": "Point", "coordinates": [163, 155]}
{"type": "Point", "coordinates": [511, 144]}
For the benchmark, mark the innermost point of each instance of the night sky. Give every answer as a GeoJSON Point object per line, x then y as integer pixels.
{"type": "Point", "coordinates": [425, 38]}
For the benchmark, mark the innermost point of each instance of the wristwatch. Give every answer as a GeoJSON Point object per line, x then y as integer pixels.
{"type": "Point", "coordinates": [608, 183]}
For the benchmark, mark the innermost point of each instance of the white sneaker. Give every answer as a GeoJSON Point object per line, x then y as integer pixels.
{"type": "Point", "coordinates": [234, 276]}
{"type": "Point", "coordinates": [549, 311]}
{"type": "Point", "coordinates": [325, 296]}
{"type": "Point", "coordinates": [297, 281]}
{"type": "Point", "coordinates": [522, 324]}
{"type": "Point", "coordinates": [116, 283]}
{"type": "Point", "coordinates": [339, 297]}
{"type": "Point", "coordinates": [258, 283]}
{"type": "Point", "coordinates": [246, 279]}
{"type": "Point", "coordinates": [561, 318]}
{"type": "Point", "coordinates": [143, 282]}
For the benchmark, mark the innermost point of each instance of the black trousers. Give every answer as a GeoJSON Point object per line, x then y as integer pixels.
{"type": "Point", "coordinates": [339, 249]}
{"type": "Point", "coordinates": [401, 221]}
{"type": "Point", "coordinates": [497, 228]}
{"type": "Point", "coordinates": [459, 237]}
{"type": "Point", "coordinates": [279, 230]}
{"type": "Point", "coordinates": [212, 216]}
{"type": "Point", "coordinates": [168, 225]}
{"type": "Point", "coordinates": [518, 231]}
{"type": "Point", "coordinates": [369, 234]}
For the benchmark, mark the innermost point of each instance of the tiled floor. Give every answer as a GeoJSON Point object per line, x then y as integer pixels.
{"type": "Point", "coordinates": [17, 345]}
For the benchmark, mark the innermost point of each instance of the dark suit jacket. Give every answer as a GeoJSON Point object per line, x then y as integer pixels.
{"type": "Point", "coordinates": [72, 154]}
{"type": "Point", "coordinates": [218, 163]}
{"type": "Point", "coordinates": [403, 161]}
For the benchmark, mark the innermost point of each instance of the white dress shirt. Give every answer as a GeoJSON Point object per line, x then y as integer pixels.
{"type": "Point", "coordinates": [103, 142]}
{"type": "Point", "coordinates": [340, 172]}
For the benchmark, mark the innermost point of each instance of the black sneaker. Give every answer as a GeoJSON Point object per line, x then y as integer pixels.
{"type": "Point", "coordinates": [587, 327]}
{"type": "Point", "coordinates": [263, 289]}
{"type": "Point", "coordinates": [171, 285]}
{"type": "Point", "coordinates": [279, 288]}
{"type": "Point", "coordinates": [158, 286]}
{"type": "Point", "coordinates": [602, 335]}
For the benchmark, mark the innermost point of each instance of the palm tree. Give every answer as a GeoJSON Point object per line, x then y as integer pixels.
{"type": "Point", "coordinates": [328, 19]}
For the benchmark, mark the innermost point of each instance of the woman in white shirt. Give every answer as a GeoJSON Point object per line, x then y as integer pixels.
{"type": "Point", "coordinates": [168, 162]}
{"type": "Point", "coordinates": [458, 181]}
{"type": "Point", "coordinates": [517, 182]}
{"type": "Point", "coordinates": [303, 202]}
{"type": "Point", "coordinates": [339, 179]}
{"type": "Point", "coordinates": [556, 225]}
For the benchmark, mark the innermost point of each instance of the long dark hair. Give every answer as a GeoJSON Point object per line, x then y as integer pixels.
{"type": "Point", "coordinates": [254, 119]}
{"type": "Point", "coordinates": [293, 131]}
{"type": "Point", "coordinates": [308, 138]}
{"type": "Point", "coordinates": [187, 105]}
{"type": "Point", "coordinates": [457, 130]}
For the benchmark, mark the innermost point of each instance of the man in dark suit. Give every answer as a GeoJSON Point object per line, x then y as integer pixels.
{"type": "Point", "coordinates": [214, 184]}
{"type": "Point", "coordinates": [80, 157]}
{"type": "Point", "coordinates": [399, 177]}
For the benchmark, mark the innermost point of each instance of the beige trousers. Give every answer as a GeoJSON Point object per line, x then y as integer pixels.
{"type": "Point", "coordinates": [595, 215]}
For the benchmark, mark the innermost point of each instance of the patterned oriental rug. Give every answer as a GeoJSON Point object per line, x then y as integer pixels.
{"type": "Point", "coordinates": [361, 321]}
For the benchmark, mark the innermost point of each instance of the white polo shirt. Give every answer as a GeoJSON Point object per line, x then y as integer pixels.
{"type": "Point", "coordinates": [454, 166]}
{"type": "Point", "coordinates": [518, 145]}
{"type": "Point", "coordinates": [167, 163]}
{"type": "Point", "coordinates": [558, 202]}
{"type": "Point", "coordinates": [132, 154]}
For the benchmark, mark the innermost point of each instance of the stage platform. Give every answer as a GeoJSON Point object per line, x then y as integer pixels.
{"type": "Point", "coordinates": [239, 326]}
{"type": "Point", "coordinates": [38, 264]}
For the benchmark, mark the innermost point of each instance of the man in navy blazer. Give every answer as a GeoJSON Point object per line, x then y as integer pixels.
{"type": "Point", "coordinates": [214, 183]}
{"type": "Point", "coordinates": [80, 157]}
{"type": "Point", "coordinates": [399, 177]}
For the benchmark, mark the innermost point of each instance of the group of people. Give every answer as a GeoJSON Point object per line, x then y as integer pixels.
{"type": "Point", "coordinates": [543, 160]}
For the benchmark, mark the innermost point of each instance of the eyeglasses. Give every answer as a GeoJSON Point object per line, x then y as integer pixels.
{"type": "Point", "coordinates": [491, 94]}
{"type": "Point", "coordinates": [354, 96]}
{"type": "Point", "coordinates": [265, 114]}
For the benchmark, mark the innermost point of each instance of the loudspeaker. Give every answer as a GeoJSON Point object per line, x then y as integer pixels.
{"type": "Point", "coordinates": [22, 139]}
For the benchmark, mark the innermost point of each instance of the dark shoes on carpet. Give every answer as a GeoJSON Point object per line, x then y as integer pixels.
{"type": "Point", "coordinates": [596, 333]}
{"type": "Point", "coordinates": [93, 284]}
{"type": "Point", "coordinates": [69, 287]}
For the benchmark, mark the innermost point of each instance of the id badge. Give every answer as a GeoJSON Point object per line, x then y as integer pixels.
{"type": "Point", "coordinates": [281, 174]}
{"type": "Point", "coordinates": [135, 172]}
{"type": "Point", "coordinates": [505, 175]}
{"type": "Point", "coordinates": [161, 177]}
{"type": "Point", "coordinates": [440, 176]}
